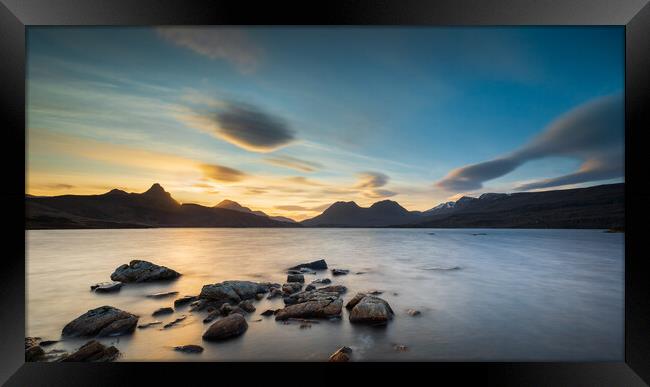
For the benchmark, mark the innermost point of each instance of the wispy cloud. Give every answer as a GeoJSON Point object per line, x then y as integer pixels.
{"type": "Point", "coordinates": [293, 163]}
{"type": "Point", "coordinates": [592, 132]}
{"type": "Point", "coordinates": [221, 173]}
{"type": "Point", "coordinates": [231, 44]}
{"type": "Point", "coordinates": [304, 180]}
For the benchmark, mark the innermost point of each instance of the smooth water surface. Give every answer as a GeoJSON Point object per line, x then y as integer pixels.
{"type": "Point", "coordinates": [546, 295]}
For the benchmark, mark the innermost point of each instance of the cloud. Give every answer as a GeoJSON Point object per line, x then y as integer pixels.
{"type": "Point", "coordinates": [304, 180]}
{"type": "Point", "coordinates": [592, 132]}
{"type": "Point", "coordinates": [222, 174]}
{"type": "Point", "coordinates": [370, 183]}
{"type": "Point", "coordinates": [241, 124]}
{"type": "Point", "coordinates": [294, 163]}
{"type": "Point", "coordinates": [231, 44]}
{"type": "Point", "coordinates": [60, 186]}
{"type": "Point", "coordinates": [319, 208]}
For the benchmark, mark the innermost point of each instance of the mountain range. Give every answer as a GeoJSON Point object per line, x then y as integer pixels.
{"type": "Point", "coordinates": [593, 207]}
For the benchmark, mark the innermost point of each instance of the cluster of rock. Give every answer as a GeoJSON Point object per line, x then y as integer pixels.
{"type": "Point", "coordinates": [92, 351]}
{"type": "Point", "coordinates": [227, 303]}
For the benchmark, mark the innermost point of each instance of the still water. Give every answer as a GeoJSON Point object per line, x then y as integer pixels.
{"type": "Point", "coordinates": [543, 295]}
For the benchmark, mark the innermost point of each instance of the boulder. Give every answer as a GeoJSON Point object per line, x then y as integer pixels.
{"type": "Point", "coordinates": [93, 351]}
{"type": "Point", "coordinates": [102, 321]}
{"type": "Point", "coordinates": [340, 289]}
{"type": "Point", "coordinates": [268, 312]}
{"type": "Point", "coordinates": [310, 287]}
{"type": "Point", "coordinates": [162, 311]}
{"type": "Point", "coordinates": [143, 271]}
{"type": "Point", "coordinates": [354, 301]}
{"type": "Point", "coordinates": [184, 300]}
{"type": "Point", "coordinates": [296, 278]}
{"type": "Point", "coordinates": [230, 326]}
{"type": "Point", "coordinates": [190, 348]}
{"type": "Point", "coordinates": [233, 291]}
{"type": "Point", "coordinates": [162, 295]}
{"type": "Point", "coordinates": [315, 265]}
{"type": "Point", "coordinates": [212, 316]}
{"type": "Point", "coordinates": [372, 310]}
{"type": "Point", "coordinates": [340, 271]}
{"type": "Point", "coordinates": [106, 287]}
{"type": "Point", "coordinates": [273, 293]}
{"type": "Point", "coordinates": [306, 295]}
{"type": "Point", "coordinates": [341, 355]}
{"type": "Point", "coordinates": [247, 305]}
{"type": "Point", "coordinates": [314, 303]}
{"type": "Point", "coordinates": [321, 281]}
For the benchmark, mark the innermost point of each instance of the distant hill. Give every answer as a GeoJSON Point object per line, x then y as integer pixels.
{"type": "Point", "coordinates": [119, 209]}
{"type": "Point", "coordinates": [593, 207]}
{"type": "Point", "coordinates": [231, 205]}
{"type": "Point", "coordinates": [349, 214]}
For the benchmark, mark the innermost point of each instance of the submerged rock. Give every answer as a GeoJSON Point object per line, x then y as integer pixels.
{"type": "Point", "coordinates": [296, 278]}
{"type": "Point", "coordinates": [233, 291]}
{"type": "Point", "coordinates": [93, 351]}
{"type": "Point", "coordinates": [171, 324]}
{"type": "Point", "coordinates": [341, 355]}
{"type": "Point", "coordinates": [230, 326]}
{"type": "Point", "coordinates": [184, 300]}
{"type": "Point", "coordinates": [413, 312]}
{"type": "Point", "coordinates": [315, 265]}
{"type": "Point", "coordinates": [310, 287]}
{"type": "Point", "coordinates": [147, 325]}
{"type": "Point", "coordinates": [190, 348]}
{"type": "Point", "coordinates": [340, 271]}
{"type": "Point", "coordinates": [102, 321]}
{"type": "Point", "coordinates": [314, 303]}
{"type": "Point", "coordinates": [369, 309]}
{"type": "Point", "coordinates": [143, 271]}
{"type": "Point", "coordinates": [106, 287]}
{"type": "Point", "coordinates": [161, 311]}
{"type": "Point", "coordinates": [162, 295]}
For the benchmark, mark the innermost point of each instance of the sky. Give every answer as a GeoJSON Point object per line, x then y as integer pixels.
{"type": "Point", "coordinates": [290, 120]}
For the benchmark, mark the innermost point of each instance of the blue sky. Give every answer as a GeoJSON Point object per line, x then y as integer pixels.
{"type": "Point", "coordinates": [288, 120]}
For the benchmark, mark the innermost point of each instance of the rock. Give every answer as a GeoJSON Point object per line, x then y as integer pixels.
{"type": "Point", "coordinates": [273, 293]}
{"type": "Point", "coordinates": [190, 348]}
{"type": "Point", "coordinates": [147, 325]}
{"type": "Point", "coordinates": [413, 312]}
{"type": "Point", "coordinates": [400, 347]}
{"type": "Point", "coordinates": [184, 300]}
{"type": "Point", "coordinates": [233, 291]}
{"type": "Point", "coordinates": [247, 305]}
{"type": "Point", "coordinates": [291, 288]}
{"type": "Point", "coordinates": [93, 351]}
{"type": "Point", "coordinates": [340, 289]}
{"type": "Point", "coordinates": [321, 281]}
{"type": "Point", "coordinates": [102, 321]}
{"type": "Point", "coordinates": [47, 343]}
{"type": "Point", "coordinates": [340, 271]}
{"type": "Point", "coordinates": [259, 296]}
{"type": "Point", "coordinates": [31, 341]}
{"type": "Point", "coordinates": [305, 325]}
{"type": "Point", "coordinates": [162, 295]}
{"type": "Point", "coordinates": [355, 300]}
{"type": "Point", "coordinates": [106, 287]}
{"type": "Point", "coordinates": [162, 311]}
{"type": "Point", "coordinates": [315, 265]}
{"type": "Point", "coordinates": [171, 324]}
{"type": "Point", "coordinates": [54, 356]}
{"type": "Point", "coordinates": [341, 355]}
{"type": "Point", "coordinates": [231, 326]}
{"type": "Point", "coordinates": [225, 309]}
{"type": "Point", "coordinates": [34, 353]}
{"type": "Point", "coordinates": [302, 270]}
{"type": "Point", "coordinates": [315, 303]}
{"type": "Point", "coordinates": [212, 316]}
{"type": "Point", "coordinates": [310, 287]}
{"type": "Point", "coordinates": [268, 312]}
{"type": "Point", "coordinates": [143, 271]}
{"type": "Point", "coordinates": [371, 309]}
{"type": "Point", "coordinates": [296, 278]}
{"type": "Point", "coordinates": [375, 292]}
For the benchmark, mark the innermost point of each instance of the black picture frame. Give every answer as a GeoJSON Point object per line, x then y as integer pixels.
{"type": "Point", "coordinates": [15, 15]}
